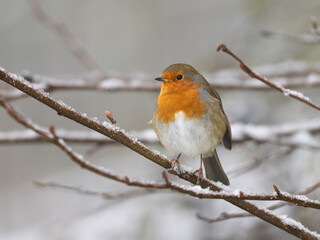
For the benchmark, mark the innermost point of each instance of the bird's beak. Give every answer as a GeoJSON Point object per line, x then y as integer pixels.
{"type": "Point", "coordinates": [162, 79]}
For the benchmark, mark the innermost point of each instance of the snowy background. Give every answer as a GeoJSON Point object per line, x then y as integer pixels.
{"type": "Point", "coordinates": [128, 37]}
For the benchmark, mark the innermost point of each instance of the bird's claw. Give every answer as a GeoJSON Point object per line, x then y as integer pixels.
{"type": "Point", "coordinates": [175, 162]}
{"type": "Point", "coordinates": [200, 175]}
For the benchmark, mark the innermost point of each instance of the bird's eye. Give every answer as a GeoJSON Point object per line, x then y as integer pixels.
{"type": "Point", "coordinates": [179, 77]}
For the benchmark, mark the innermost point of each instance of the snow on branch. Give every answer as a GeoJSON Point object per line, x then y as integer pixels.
{"type": "Point", "coordinates": [287, 92]}
{"type": "Point", "coordinates": [73, 136]}
{"type": "Point", "coordinates": [291, 74]}
{"type": "Point", "coordinates": [295, 134]}
{"type": "Point", "coordinates": [118, 134]}
{"type": "Point", "coordinates": [51, 136]}
{"type": "Point", "coordinates": [288, 134]}
{"type": "Point", "coordinates": [195, 191]}
{"type": "Point", "coordinates": [225, 215]}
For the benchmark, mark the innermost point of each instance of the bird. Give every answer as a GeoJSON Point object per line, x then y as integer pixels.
{"type": "Point", "coordinates": [189, 119]}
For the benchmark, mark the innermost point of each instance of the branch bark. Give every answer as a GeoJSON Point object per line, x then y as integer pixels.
{"type": "Point", "coordinates": [287, 92]}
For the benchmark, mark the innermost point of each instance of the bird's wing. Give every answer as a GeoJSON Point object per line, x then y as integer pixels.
{"type": "Point", "coordinates": [227, 139]}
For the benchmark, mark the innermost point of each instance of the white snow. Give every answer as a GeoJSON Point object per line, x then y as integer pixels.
{"type": "Point", "coordinates": [293, 223]}
{"type": "Point", "coordinates": [40, 90]}
{"type": "Point", "coordinates": [297, 94]}
{"type": "Point", "coordinates": [112, 83]}
{"type": "Point", "coordinates": [94, 119]}
{"type": "Point", "coordinates": [157, 152]}
{"type": "Point", "coordinates": [198, 190]}
{"type": "Point", "coordinates": [236, 192]}
{"type": "Point", "coordinates": [66, 105]}
{"type": "Point", "coordinates": [302, 138]}
{"type": "Point", "coordinates": [147, 135]}
{"type": "Point", "coordinates": [286, 92]}
{"type": "Point", "coordinates": [289, 92]}
{"type": "Point", "coordinates": [12, 135]}
{"type": "Point", "coordinates": [312, 78]}
{"type": "Point", "coordinates": [116, 128]}
{"type": "Point", "coordinates": [241, 130]}
{"type": "Point", "coordinates": [62, 142]}
{"type": "Point", "coordinates": [301, 197]}
{"type": "Point", "coordinates": [281, 68]}
{"type": "Point", "coordinates": [112, 126]}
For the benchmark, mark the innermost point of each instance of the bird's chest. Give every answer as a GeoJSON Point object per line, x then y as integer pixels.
{"type": "Point", "coordinates": [187, 136]}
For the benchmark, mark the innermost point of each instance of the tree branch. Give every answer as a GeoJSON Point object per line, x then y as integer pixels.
{"type": "Point", "coordinates": [121, 136]}
{"type": "Point", "coordinates": [195, 191]}
{"type": "Point", "coordinates": [295, 134]}
{"type": "Point", "coordinates": [225, 216]}
{"type": "Point", "coordinates": [257, 162]}
{"type": "Point", "coordinates": [312, 38]}
{"type": "Point", "coordinates": [287, 92]}
{"type": "Point", "coordinates": [302, 38]}
{"type": "Point", "coordinates": [288, 74]}
{"type": "Point", "coordinates": [104, 195]}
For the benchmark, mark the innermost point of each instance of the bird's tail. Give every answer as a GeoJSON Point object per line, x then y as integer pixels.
{"type": "Point", "coordinates": [214, 169]}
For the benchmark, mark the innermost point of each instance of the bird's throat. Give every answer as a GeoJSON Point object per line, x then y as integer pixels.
{"type": "Point", "coordinates": [176, 97]}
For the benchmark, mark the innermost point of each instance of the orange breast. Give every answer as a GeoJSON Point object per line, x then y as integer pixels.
{"type": "Point", "coordinates": [179, 96]}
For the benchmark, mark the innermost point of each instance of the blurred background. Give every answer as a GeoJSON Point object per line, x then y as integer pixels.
{"type": "Point", "coordinates": [142, 36]}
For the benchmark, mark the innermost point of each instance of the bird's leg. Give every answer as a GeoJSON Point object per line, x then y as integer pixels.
{"type": "Point", "coordinates": [199, 171]}
{"type": "Point", "coordinates": [175, 161]}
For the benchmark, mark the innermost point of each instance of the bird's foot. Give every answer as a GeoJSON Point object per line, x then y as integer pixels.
{"type": "Point", "coordinates": [175, 162]}
{"type": "Point", "coordinates": [200, 175]}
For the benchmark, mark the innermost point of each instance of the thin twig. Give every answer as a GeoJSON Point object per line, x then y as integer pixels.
{"type": "Point", "coordinates": [312, 38]}
{"type": "Point", "coordinates": [104, 195]}
{"type": "Point", "coordinates": [257, 162]}
{"type": "Point", "coordinates": [287, 92]}
{"type": "Point", "coordinates": [61, 29]}
{"type": "Point", "coordinates": [315, 26]}
{"type": "Point", "coordinates": [302, 39]}
{"type": "Point", "coordinates": [72, 136]}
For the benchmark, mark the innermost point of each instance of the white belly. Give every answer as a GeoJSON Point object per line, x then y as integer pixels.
{"type": "Point", "coordinates": [188, 136]}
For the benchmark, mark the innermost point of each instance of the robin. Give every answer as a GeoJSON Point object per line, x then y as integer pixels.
{"type": "Point", "coordinates": [189, 119]}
